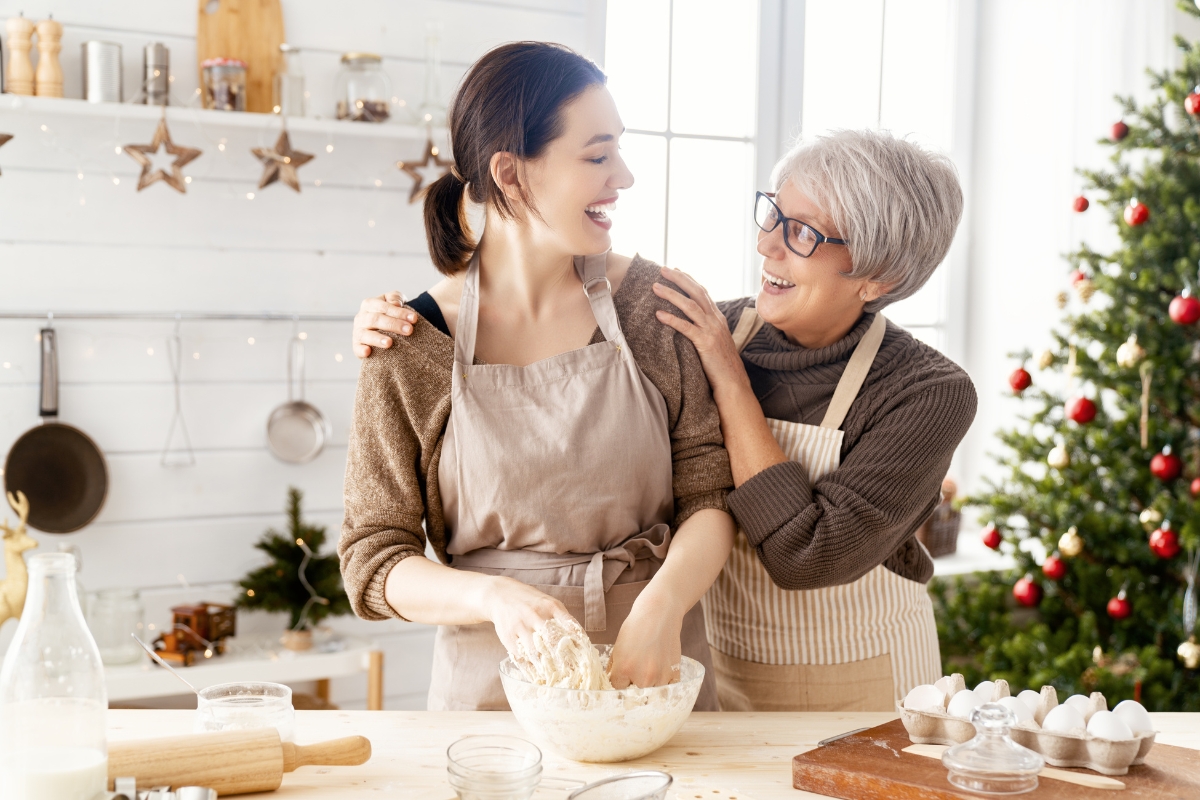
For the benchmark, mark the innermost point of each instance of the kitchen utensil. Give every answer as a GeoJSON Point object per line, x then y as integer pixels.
{"type": "Point", "coordinates": [877, 765]}
{"type": "Point", "coordinates": [641, 785]}
{"type": "Point", "coordinates": [49, 73]}
{"type": "Point", "coordinates": [19, 77]}
{"type": "Point", "coordinates": [297, 430]}
{"type": "Point", "coordinates": [246, 706]}
{"type": "Point", "coordinates": [113, 615]}
{"type": "Point", "coordinates": [231, 762]}
{"type": "Point", "coordinates": [156, 74]}
{"type": "Point", "coordinates": [493, 768]}
{"type": "Point", "coordinates": [223, 81]}
{"type": "Point", "coordinates": [250, 31]}
{"type": "Point", "coordinates": [363, 90]}
{"type": "Point", "coordinates": [1050, 773]}
{"type": "Point", "coordinates": [103, 79]}
{"type": "Point", "coordinates": [290, 99]}
{"type": "Point", "coordinates": [992, 763]}
{"type": "Point", "coordinates": [602, 725]}
{"type": "Point", "coordinates": [58, 467]}
{"type": "Point", "coordinates": [184, 457]}
{"type": "Point", "coordinates": [158, 660]}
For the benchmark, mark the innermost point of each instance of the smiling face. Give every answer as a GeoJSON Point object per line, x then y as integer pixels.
{"type": "Point", "coordinates": [809, 299]}
{"type": "Point", "coordinates": [575, 182]}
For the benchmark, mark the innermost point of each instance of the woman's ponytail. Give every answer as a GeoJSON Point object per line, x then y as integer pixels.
{"type": "Point", "coordinates": [446, 226]}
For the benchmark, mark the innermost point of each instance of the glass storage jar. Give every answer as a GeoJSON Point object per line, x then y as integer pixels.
{"type": "Point", "coordinates": [223, 84]}
{"type": "Point", "coordinates": [52, 695]}
{"type": "Point", "coordinates": [114, 615]}
{"type": "Point", "coordinates": [291, 100]}
{"type": "Point", "coordinates": [363, 90]}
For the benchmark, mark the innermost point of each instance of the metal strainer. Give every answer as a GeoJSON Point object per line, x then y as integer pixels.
{"type": "Point", "coordinates": [643, 785]}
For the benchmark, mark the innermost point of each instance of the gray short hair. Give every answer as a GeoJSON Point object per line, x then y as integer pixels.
{"type": "Point", "coordinates": [896, 203]}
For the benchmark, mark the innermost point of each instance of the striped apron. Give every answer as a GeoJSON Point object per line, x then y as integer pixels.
{"type": "Point", "coordinates": [857, 646]}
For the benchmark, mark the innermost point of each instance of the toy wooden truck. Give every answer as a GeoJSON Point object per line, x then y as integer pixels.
{"type": "Point", "coordinates": [197, 632]}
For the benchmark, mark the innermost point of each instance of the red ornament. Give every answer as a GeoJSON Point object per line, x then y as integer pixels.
{"type": "Point", "coordinates": [1119, 131]}
{"type": "Point", "coordinates": [1166, 466]}
{"type": "Point", "coordinates": [990, 536]}
{"type": "Point", "coordinates": [1054, 567]}
{"type": "Point", "coordinates": [1119, 607]}
{"type": "Point", "coordinates": [1164, 543]}
{"type": "Point", "coordinates": [1184, 309]}
{"type": "Point", "coordinates": [1081, 204]}
{"type": "Point", "coordinates": [1136, 213]}
{"type": "Point", "coordinates": [1019, 380]}
{"type": "Point", "coordinates": [1081, 410]}
{"type": "Point", "coordinates": [1027, 592]}
{"type": "Point", "coordinates": [1191, 104]}
{"type": "Point", "coordinates": [1195, 487]}
{"type": "Point", "coordinates": [1076, 277]}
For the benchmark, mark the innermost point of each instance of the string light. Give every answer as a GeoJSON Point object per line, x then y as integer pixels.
{"type": "Point", "coordinates": [328, 148]}
{"type": "Point", "coordinates": [250, 340]}
{"type": "Point", "coordinates": [249, 195]}
{"type": "Point", "coordinates": [116, 181]}
{"type": "Point", "coordinates": [337, 357]}
{"type": "Point", "coordinates": [196, 356]}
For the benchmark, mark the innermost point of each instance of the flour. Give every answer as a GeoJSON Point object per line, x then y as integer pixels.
{"type": "Point", "coordinates": [562, 656]}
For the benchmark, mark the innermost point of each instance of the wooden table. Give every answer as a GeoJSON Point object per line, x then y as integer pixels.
{"type": "Point", "coordinates": [715, 756]}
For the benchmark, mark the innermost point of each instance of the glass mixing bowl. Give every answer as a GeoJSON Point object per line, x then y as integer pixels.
{"type": "Point", "coordinates": [602, 725]}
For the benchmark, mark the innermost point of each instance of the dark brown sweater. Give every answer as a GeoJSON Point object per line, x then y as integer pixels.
{"type": "Point", "coordinates": [913, 410]}
{"type": "Point", "coordinates": [400, 414]}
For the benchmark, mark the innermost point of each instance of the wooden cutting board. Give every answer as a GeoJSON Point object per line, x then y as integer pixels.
{"type": "Point", "coordinates": [249, 30]}
{"type": "Point", "coordinates": [872, 766]}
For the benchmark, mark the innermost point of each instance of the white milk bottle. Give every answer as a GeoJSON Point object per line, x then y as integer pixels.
{"type": "Point", "coordinates": [52, 697]}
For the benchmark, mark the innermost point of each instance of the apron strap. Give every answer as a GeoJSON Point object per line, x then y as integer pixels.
{"type": "Point", "coordinates": [592, 270]}
{"type": "Point", "coordinates": [855, 374]}
{"type": "Point", "coordinates": [749, 324]}
{"type": "Point", "coordinates": [468, 319]}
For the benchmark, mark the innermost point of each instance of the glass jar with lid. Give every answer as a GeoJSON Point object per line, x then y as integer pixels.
{"type": "Point", "coordinates": [363, 90]}
{"type": "Point", "coordinates": [114, 615]}
{"type": "Point", "coordinates": [291, 99]}
{"type": "Point", "coordinates": [223, 84]}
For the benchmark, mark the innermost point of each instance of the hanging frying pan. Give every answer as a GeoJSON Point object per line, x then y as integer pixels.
{"type": "Point", "coordinates": [58, 467]}
{"type": "Point", "coordinates": [297, 431]}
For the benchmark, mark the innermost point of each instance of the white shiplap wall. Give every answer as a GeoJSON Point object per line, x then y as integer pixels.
{"type": "Point", "coordinates": [94, 243]}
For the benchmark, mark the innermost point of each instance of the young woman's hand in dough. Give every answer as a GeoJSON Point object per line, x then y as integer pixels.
{"type": "Point", "coordinates": [517, 609]}
{"type": "Point", "coordinates": [647, 652]}
{"type": "Point", "coordinates": [377, 315]}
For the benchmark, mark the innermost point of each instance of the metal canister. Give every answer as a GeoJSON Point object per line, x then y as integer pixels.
{"type": "Point", "coordinates": [156, 74]}
{"type": "Point", "coordinates": [102, 77]}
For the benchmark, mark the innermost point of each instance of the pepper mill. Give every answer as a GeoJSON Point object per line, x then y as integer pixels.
{"type": "Point", "coordinates": [19, 79]}
{"type": "Point", "coordinates": [49, 70]}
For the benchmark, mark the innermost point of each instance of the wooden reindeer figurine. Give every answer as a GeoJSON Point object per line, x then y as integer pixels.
{"type": "Point", "coordinates": [16, 576]}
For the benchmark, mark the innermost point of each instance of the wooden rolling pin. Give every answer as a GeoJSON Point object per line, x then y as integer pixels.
{"type": "Point", "coordinates": [232, 762]}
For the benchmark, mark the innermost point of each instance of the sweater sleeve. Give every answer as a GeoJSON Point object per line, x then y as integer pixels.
{"type": "Point", "coordinates": [384, 506]}
{"type": "Point", "coordinates": [835, 530]}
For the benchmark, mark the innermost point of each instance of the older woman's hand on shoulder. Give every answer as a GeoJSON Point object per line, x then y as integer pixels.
{"type": "Point", "coordinates": [378, 315]}
{"type": "Point", "coordinates": [707, 329]}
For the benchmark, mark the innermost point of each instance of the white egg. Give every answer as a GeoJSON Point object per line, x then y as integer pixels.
{"type": "Point", "coordinates": [984, 691]}
{"type": "Point", "coordinates": [963, 703]}
{"type": "Point", "coordinates": [925, 698]}
{"type": "Point", "coordinates": [1134, 714]}
{"type": "Point", "coordinates": [1063, 719]}
{"type": "Point", "coordinates": [1030, 698]}
{"type": "Point", "coordinates": [1014, 704]}
{"type": "Point", "coordinates": [1107, 725]}
{"type": "Point", "coordinates": [946, 684]}
{"type": "Point", "coordinates": [1081, 703]}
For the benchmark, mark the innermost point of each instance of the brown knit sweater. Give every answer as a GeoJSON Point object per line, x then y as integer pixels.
{"type": "Point", "coordinates": [400, 414]}
{"type": "Point", "coordinates": [913, 410]}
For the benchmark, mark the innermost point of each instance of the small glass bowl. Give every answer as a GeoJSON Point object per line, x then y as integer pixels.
{"type": "Point", "coordinates": [493, 768]}
{"type": "Point", "coordinates": [246, 706]}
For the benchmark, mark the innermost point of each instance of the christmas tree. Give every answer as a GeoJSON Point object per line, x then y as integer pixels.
{"type": "Point", "coordinates": [1099, 503]}
{"type": "Point", "coordinates": [306, 585]}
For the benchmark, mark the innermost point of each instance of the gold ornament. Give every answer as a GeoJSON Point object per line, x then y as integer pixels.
{"type": "Point", "coordinates": [1045, 359]}
{"type": "Point", "coordinates": [16, 541]}
{"type": "Point", "coordinates": [410, 168]}
{"type": "Point", "coordinates": [1189, 653]}
{"type": "Point", "coordinates": [281, 162]}
{"type": "Point", "coordinates": [141, 154]}
{"type": "Point", "coordinates": [1058, 457]}
{"type": "Point", "coordinates": [4, 137]}
{"type": "Point", "coordinates": [1150, 519]}
{"type": "Point", "coordinates": [1061, 299]}
{"type": "Point", "coordinates": [1130, 353]}
{"type": "Point", "coordinates": [1070, 544]}
{"type": "Point", "coordinates": [1085, 289]}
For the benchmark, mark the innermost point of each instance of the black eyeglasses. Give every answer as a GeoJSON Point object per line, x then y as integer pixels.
{"type": "Point", "coordinates": [800, 237]}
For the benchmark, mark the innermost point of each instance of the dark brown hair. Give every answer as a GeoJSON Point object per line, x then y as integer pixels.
{"type": "Point", "coordinates": [510, 101]}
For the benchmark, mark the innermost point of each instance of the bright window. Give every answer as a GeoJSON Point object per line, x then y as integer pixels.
{"type": "Point", "coordinates": [689, 108]}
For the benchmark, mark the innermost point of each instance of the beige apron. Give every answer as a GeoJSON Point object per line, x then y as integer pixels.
{"type": "Point", "coordinates": [557, 474]}
{"type": "Point", "coordinates": [855, 647]}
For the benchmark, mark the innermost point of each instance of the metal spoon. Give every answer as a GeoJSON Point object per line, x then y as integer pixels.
{"type": "Point", "coordinates": [162, 663]}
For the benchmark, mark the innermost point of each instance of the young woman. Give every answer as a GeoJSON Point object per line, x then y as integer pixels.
{"type": "Point", "coordinates": [560, 446]}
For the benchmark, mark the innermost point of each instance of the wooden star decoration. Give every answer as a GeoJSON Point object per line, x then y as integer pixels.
{"type": "Point", "coordinates": [410, 168]}
{"type": "Point", "coordinates": [281, 162]}
{"type": "Point", "coordinates": [4, 137]}
{"type": "Point", "coordinates": [141, 153]}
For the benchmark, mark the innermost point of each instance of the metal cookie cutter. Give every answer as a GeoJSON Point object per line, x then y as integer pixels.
{"type": "Point", "coordinates": [126, 789]}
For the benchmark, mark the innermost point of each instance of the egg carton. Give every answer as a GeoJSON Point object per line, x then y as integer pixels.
{"type": "Point", "coordinates": [1073, 749]}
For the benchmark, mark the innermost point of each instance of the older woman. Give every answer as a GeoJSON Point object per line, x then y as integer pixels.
{"type": "Point", "coordinates": [839, 425]}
